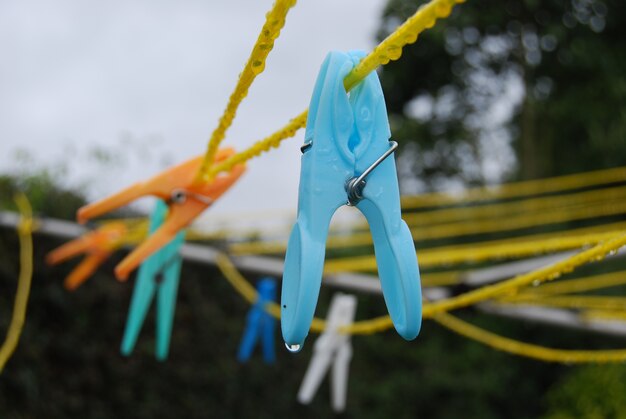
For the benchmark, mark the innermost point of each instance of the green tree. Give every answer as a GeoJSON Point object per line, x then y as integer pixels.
{"type": "Point", "coordinates": [518, 88]}
{"type": "Point", "coordinates": [593, 392]}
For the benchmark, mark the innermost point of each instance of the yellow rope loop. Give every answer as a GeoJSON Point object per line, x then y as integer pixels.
{"type": "Point", "coordinates": [388, 49]}
{"type": "Point", "coordinates": [518, 189]}
{"type": "Point", "coordinates": [368, 327]}
{"type": "Point", "coordinates": [24, 230]}
{"type": "Point", "coordinates": [274, 22]}
{"type": "Point", "coordinates": [548, 273]}
{"type": "Point", "coordinates": [526, 349]}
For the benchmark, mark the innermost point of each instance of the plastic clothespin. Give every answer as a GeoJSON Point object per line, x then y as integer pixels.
{"type": "Point", "coordinates": [260, 323]}
{"type": "Point", "coordinates": [186, 199]}
{"type": "Point", "coordinates": [331, 347]}
{"type": "Point", "coordinates": [158, 274]}
{"type": "Point", "coordinates": [345, 162]}
{"type": "Point", "coordinates": [98, 246]}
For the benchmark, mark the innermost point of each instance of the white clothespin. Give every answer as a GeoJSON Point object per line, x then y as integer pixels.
{"type": "Point", "coordinates": [334, 347]}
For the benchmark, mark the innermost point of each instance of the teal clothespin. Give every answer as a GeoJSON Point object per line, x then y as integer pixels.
{"type": "Point", "coordinates": [346, 161]}
{"type": "Point", "coordinates": [158, 274]}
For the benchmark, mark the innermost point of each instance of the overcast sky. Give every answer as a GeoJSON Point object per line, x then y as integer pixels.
{"type": "Point", "coordinates": [148, 80]}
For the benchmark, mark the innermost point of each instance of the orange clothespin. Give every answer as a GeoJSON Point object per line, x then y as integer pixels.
{"type": "Point", "coordinates": [97, 244]}
{"type": "Point", "coordinates": [186, 199]}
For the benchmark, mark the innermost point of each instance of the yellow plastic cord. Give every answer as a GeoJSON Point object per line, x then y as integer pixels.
{"type": "Point", "coordinates": [440, 279]}
{"type": "Point", "coordinates": [548, 273]}
{"type": "Point", "coordinates": [24, 230]}
{"type": "Point", "coordinates": [517, 189]}
{"type": "Point", "coordinates": [526, 349]}
{"type": "Point", "coordinates": [591, 302]}
{"type": "Point", "coordinates": [475, 253]}
{"type": "Point", "coordinates": [459, 228]}
{"type": "Point", "coordinates": [389, 49]}
{"type": "Point", "coordinates": [274, 22]}
{"type": "Point", "coordinates": [570, 286]}
{"type": "Point", "coordinates": [506, 209]}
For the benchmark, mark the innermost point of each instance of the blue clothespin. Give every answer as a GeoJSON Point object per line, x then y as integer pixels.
{"type": "Point", "coordinates": [345, 161]}
{"type": "Point", "coordinates": [158, 274]}
{"type": "Point", "coordinates": [260, 322]}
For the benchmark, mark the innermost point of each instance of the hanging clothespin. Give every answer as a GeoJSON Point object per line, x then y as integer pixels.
{"type": "Point", "coordinates": [332, 347]}
{"type": "Point", "coordinates": [347, 161]}
{"type": "Point", "coordinates": [158, 274]}
{"type": "Point", "coordinates": [260, 324]}
{"type": "Point", "coordinates": [186, 199]}
{"type": "Point", "coordinates": [98, 245]}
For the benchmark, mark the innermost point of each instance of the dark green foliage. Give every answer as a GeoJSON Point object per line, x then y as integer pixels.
{"type": "Point", "coordinates": [594, 392]}
{"type": "Point", "coordinates": [43, 193]}
{"type": "Point", "coordinates": [547, 76]}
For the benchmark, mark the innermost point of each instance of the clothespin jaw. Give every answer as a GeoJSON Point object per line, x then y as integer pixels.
{"type": "Point", "coordinates": [259, 323]}
{"type": "Point", "coordinates": [331, 348]}
{"type": "Point", "coordinates": [186, 199]}
{"type": "Point", "coordinates": [98, 245]}
{"type": "Point", "coordinates": [345, 161]}
{"type": "Point", "coordinates": [159, 275]}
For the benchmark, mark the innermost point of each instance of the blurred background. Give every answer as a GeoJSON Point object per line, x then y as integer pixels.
{"type": "Point", "coordinates": [97, 96]}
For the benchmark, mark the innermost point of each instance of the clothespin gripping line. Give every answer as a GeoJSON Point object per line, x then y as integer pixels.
{"type": "Point", "coordinates": [354, 186]}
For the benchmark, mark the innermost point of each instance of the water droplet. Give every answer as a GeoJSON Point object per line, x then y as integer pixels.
{"type": "Point", "coordinates": [295, 348]}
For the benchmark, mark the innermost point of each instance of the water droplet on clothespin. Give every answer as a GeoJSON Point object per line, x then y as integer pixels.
{"type": "Point", "coordinates": [295, 348]}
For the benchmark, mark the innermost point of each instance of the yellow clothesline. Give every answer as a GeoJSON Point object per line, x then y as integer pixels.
{"type": "Point", "coordinates": [24, 231]}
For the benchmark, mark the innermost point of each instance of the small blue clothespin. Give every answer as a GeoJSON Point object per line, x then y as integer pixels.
{"type": "Point", "coordinates": [345, 161]}
{"type": "Point", "coordinates": [158, 274]}
{"type": "Point", "coordinates": [260, 322]}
